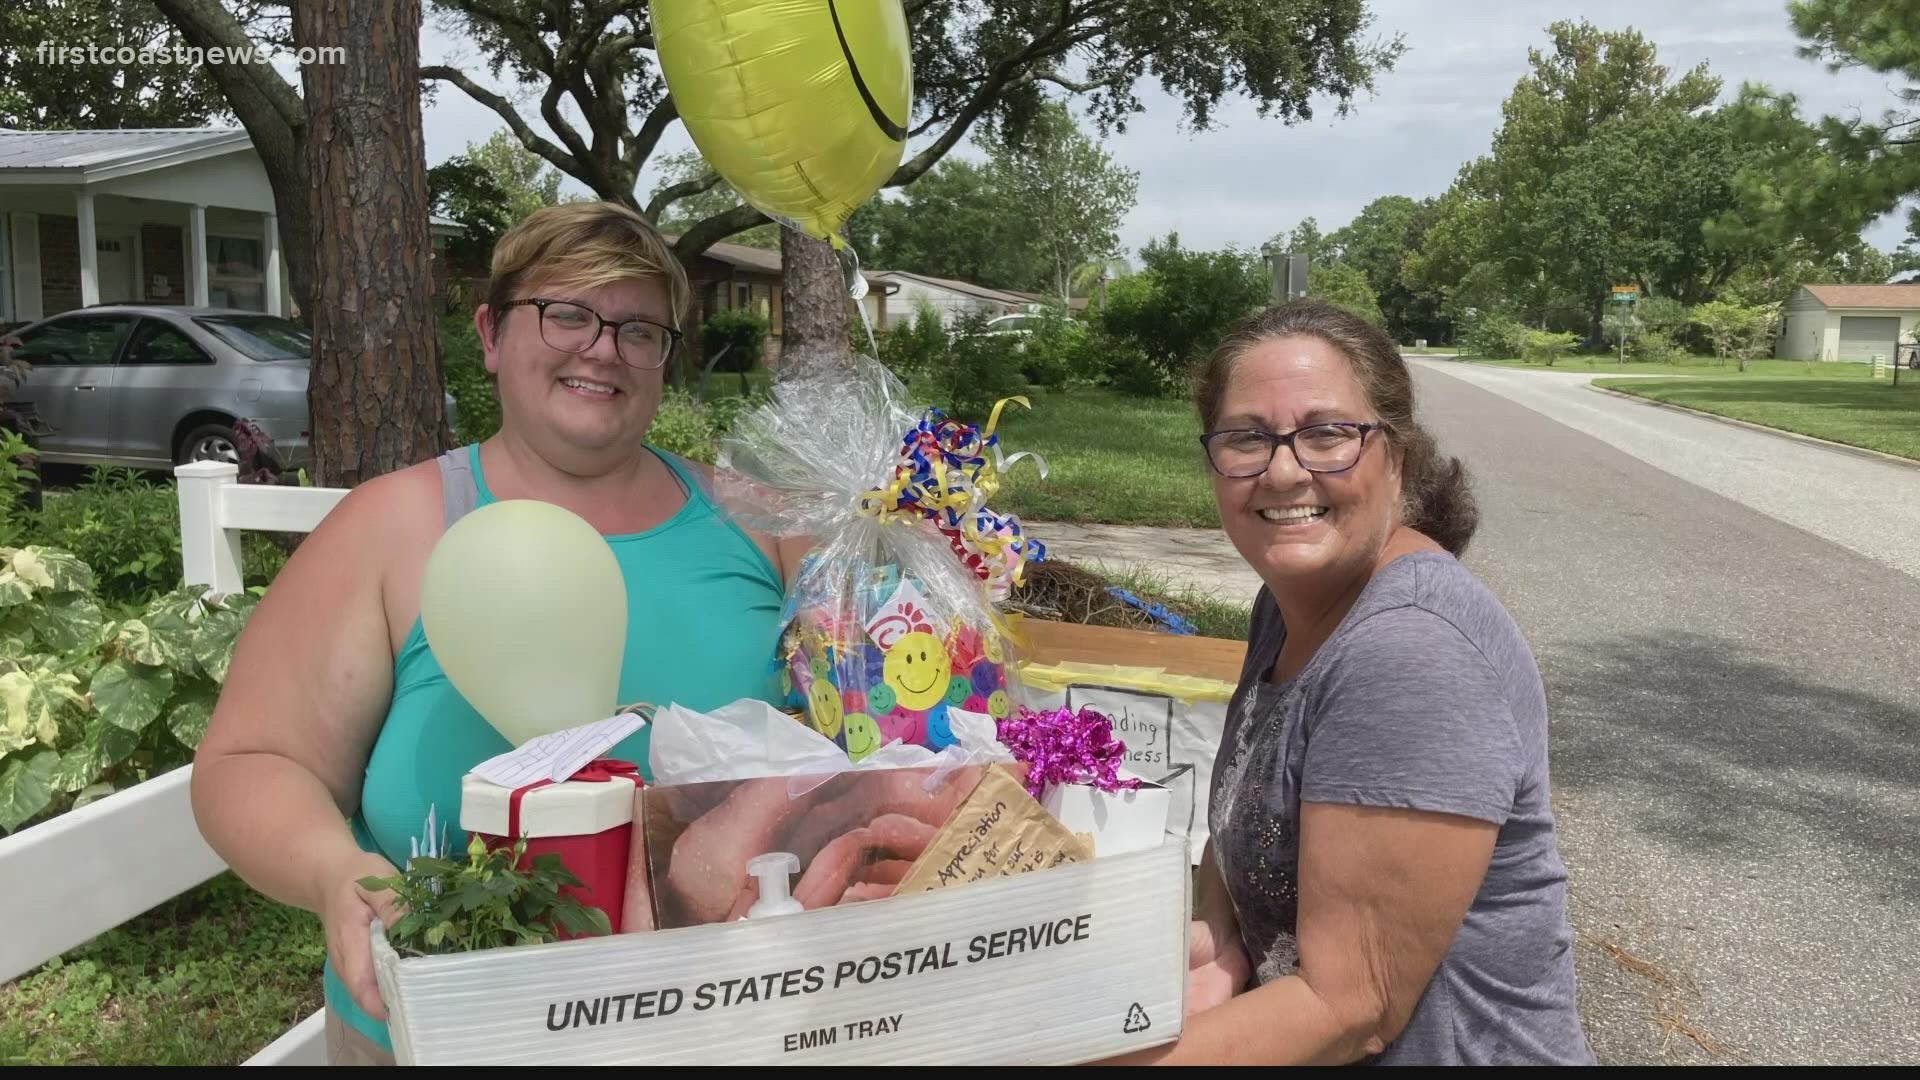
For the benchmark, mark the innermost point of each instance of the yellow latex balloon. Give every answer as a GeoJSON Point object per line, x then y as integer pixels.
{"type": "Point", "coordinates": [801, 105]}
{"type": "Point", "coordinates": [525, 608]}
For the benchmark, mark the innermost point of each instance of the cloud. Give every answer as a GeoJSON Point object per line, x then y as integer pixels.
{"type": "Point", "coordinates": [1248, 178]}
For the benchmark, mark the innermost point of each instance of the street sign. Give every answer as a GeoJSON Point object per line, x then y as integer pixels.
{"type": "Point", "coordinates": [1626, 294]}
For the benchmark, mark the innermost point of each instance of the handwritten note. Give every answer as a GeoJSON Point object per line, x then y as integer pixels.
{"type": "Point", "coordinates": [559, 755]}
{"type": "Point", "coordinates": [999, 830]}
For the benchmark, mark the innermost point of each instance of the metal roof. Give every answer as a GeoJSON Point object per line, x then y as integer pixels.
{"type": "Point", "coordinates": [88, 150]}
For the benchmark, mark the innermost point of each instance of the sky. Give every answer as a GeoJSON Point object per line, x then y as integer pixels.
{"type": "Point", "coordinates": [1246, 178]}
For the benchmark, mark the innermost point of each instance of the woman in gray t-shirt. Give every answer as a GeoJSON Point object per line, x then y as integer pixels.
{"type": "Point", "coordinates": [1383, 882]}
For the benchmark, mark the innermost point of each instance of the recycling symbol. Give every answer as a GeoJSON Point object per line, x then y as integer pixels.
{"type": "Point", "coordinates": [1136, 1020]}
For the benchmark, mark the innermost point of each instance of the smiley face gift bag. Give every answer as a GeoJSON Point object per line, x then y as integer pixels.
{"type": "Point", "coordinates": [890, 622]}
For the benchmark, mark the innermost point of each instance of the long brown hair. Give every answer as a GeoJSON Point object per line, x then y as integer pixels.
{"type": "Point", "coordinates": [1436, 495]}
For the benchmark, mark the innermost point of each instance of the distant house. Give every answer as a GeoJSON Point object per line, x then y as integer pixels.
{"type": "Point", "coordinates": [951, 299]}
{"type": "Point", "coordinates": [1847, 322]}
{"type": "Point", "coordinates": [155, 216]}
{"type": "Point", "coordinates": [733, 277]}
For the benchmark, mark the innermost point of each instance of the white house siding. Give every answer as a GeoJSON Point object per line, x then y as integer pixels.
{"type": "Point", "coordinates": [904, 306]}
{"type": "Point", "coordinates": [1803, 334]}
{"type": "Point", "coordinates": [235, 181]}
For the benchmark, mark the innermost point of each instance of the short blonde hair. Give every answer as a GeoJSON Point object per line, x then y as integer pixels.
{"type": "Point", "coordinates": [584, 245]}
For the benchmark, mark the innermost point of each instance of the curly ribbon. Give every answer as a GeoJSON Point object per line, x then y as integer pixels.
{"type": "Point", "coordinates": [946, 477]}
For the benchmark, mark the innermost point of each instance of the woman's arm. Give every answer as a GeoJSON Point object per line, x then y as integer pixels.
{"type": "Point", "coordinates": [1382, 892]}
{"type": "Point", "coordinates": [279, 770]}
{"type": "Point", "coordinates": [1217, 966]}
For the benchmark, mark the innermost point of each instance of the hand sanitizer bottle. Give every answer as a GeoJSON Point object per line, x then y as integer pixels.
{"type": "Point", "coordinates": [773, 869]}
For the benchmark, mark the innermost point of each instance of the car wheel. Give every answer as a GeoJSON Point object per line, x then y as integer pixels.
{"type": "Point", "coordinates": [207, 442]}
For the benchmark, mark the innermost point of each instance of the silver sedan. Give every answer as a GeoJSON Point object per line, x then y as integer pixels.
{"type": "Point", "coordinates": [156, 386]}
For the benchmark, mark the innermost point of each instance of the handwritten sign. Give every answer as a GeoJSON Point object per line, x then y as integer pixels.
{"type": "Point", "coordinates": [1145, 723]}
{"type": "Point", "coordinates": [998, 831]}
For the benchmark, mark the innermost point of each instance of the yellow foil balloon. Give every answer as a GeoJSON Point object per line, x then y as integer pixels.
{"type": "Point", "coordinates": [525, 608]}
{"type": "Point", "coordinates": [801, 105]}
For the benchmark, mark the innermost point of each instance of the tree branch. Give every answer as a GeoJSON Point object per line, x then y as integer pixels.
{"type": "Point", "coordinates": [207, 24]}
{"type": "Point", "coordinates": [675, 192]}
{"type": "Point", "coordinates": [1004, 74]}
{"type": "Point", "coordinates": [505, 110]}
{"type": "Point", "coordinates": [518, 32]}
{"type": "Point", "coordinates": [648, 137]}
{"type": "Point", "coordinates": [550, 112]}
{"type": "Point", "coordinates": [1080, 87]}
{"type": "Point", "coordinates": [715, 229]}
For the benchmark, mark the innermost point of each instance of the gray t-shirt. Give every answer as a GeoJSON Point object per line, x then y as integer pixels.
{"type": "Point", "coordinates": [1426, 697]}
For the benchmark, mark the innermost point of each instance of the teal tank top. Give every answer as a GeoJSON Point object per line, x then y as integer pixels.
{"type": "Point", "coordinates": [705, 608]}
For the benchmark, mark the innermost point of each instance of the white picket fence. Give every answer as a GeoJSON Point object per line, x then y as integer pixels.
{"type": "Point", "coordinates": [72, 878]}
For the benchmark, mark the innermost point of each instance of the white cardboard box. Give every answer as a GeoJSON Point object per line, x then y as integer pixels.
{"type": "Point", "coordinates": [945, 977]}
{"type": "Point", "coordinates": [1120, 822]}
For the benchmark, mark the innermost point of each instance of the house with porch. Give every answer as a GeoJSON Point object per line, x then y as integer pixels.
{"type": "Point", "coordinates": [153, 216]}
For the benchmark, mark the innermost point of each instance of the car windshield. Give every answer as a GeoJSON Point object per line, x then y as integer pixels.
{"type": "Point", "coordinates": [262, 337]}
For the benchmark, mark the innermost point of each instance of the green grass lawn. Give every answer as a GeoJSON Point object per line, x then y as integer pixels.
{"type": "Point", "coordinates": [1110, 458]}
{"type": "Point", "coordinates": [209, 978]}
{"type": "Point", "coordinates": [1843, 406]}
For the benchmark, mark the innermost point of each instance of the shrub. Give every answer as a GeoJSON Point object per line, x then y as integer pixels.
{"type": "Point", "coordinates": [1547, 346]}
{"type": "Point", "coordinates": [742, 333]}
{"type": "Point", "coordinates": [469, 381]}
{"type": "Point", "coordinates": [94, 703]}
{"type": "Point", "coordinates": [126, 529]}
{"type": "Point", "coordinates": [1128, 367]}
{"type": "Point", "coordinates": [683, 426]}
{"type": "Point", "coordinates": [1492, 336]}
{"type": "Point", "coordinates": [976, 370]}
{"type": "Point", "coordinates": [1181, 305]}
{"type": "Point", "coordinates": [1056, 352]}
{"type": "Point", "coordinates": [1657, 347]}
{"type": "Point", "coordinates": [18, 478]}
{"type": "Point", "coordinates": [912, 349]}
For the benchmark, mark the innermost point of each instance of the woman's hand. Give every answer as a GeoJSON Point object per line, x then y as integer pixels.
{"type": "Point", "coordinates": [1217, 967]}
{"type": "Point", "coordinates": [347, 913]}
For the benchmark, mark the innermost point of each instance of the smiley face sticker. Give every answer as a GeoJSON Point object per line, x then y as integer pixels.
{"type": "Point", "coordinates": [917, 668]}
{"type": "Point", "coordinates": [863, 735]}
{"type": "Point", "coordinates": [824, 708]}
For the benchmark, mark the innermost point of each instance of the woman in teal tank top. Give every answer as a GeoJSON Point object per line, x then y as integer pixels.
{"type": "Point", "coordinates": [703, 636]}
{"type": "Point", "coordinates": [338, 735]}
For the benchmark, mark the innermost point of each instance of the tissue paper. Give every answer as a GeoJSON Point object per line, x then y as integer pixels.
{"type": "Point", "coordinates": [749, 738]}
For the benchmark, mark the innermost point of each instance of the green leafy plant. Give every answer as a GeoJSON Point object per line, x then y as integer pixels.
{"type": "Point", "coordinates": [495, 898]}
{"type": "Point", "coordinates": [18, 477]}
{"type": "Point", "coordinates": [682, 426]}
{"type": "Point", "coordinates": [90, 704]}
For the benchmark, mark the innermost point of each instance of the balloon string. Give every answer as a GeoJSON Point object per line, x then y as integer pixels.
{"type": "Point", "coordinates": [850, 267]}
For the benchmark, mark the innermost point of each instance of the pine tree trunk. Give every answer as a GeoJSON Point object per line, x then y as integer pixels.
{"type": "Point", "coordinates": [814, 323]}
{"type": "Point", "coordinates": [375, 391]}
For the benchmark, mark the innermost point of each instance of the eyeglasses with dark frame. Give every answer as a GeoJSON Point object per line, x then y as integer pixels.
{"type": "Point", "coordinates": [573, 327]}
{"type": "Point", "coordinates": [1244, 453]}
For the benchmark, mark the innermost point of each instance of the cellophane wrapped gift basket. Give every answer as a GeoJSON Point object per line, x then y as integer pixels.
{"type": "Point", "coordinates": [900, 863]}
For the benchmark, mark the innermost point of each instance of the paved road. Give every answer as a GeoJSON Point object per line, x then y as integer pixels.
{"type": "Point", "coordinates": [1816, 488]}
{"type": "Point", "coordinates": [1729, 628]}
